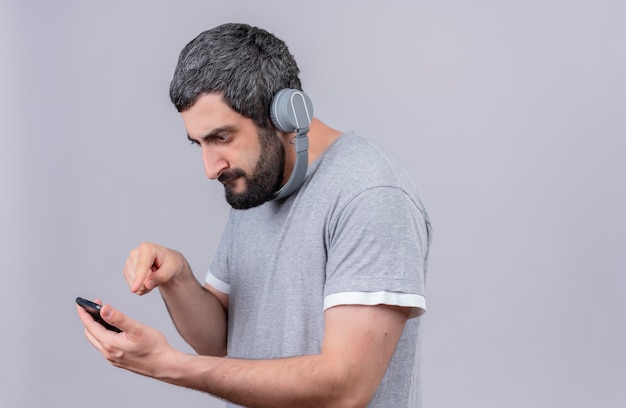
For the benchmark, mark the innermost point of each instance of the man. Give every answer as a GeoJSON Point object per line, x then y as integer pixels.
{"type": "Point", "coordinates": [311, 298]}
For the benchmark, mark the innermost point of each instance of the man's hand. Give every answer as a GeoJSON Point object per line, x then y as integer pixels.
{"type": "Point", "coordinates": [198, 313]}
{"type": "Point", "coordinates": [151, 265]}
{"type": "Point", "coordinates": [139, 348]}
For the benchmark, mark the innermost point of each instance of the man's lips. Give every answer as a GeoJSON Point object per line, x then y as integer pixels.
{"type": "Point", "coordinates": [227, 180]}
{"type": "Point", "coordinates": [230, 180]}
{"type": "Point", "coordinates": [229, 176]}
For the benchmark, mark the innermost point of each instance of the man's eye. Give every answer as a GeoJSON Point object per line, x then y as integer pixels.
{"type": "Point", "coordinates": [222, 137]}
{"type": "Point", "coordinates": [194, 142]}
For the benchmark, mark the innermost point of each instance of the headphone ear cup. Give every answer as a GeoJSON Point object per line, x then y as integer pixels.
{"type": "Point", "coordinates": [291, 110]}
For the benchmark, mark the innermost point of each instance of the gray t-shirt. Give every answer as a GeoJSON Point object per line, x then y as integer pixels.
{"type": "Point", "coordinates": [355, 233]}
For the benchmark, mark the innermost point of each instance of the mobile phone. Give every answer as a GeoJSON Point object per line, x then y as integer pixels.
{"type": "Point", "coordinates": [94, 310]}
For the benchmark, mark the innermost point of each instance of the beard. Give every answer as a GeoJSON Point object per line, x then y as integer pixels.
{"type": "Point", "coordinates": [266, 178]}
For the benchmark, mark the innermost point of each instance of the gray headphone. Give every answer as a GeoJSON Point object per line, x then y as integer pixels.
{"type": "Point", "coordinates": [292, 111]}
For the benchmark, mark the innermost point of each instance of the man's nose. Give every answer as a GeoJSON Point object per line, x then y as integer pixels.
{"type": "Point", "coordinates": [214, 163]}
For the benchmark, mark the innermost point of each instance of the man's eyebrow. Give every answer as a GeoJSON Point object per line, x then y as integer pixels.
{"type": "Point", "coordinates": [213, 133]}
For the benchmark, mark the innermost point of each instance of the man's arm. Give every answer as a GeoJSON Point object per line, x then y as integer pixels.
{"type": "Point", "coordinates": [358, 344]}
{"type": "Point", "coordinates": [199, 314]}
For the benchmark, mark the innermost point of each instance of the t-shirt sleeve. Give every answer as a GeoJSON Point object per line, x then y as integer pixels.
{"type": "Point", "coordinates": [218, 275]}
{"type": "Point", "coordinates": [378, 252]}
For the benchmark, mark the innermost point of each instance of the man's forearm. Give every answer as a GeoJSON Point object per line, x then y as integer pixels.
{"type": "Point", "coordinates": [358, 345]}
{"type": "Point", "coordinates": [304, 381]}
{"type": "Point", "coordinates": [197, 314]}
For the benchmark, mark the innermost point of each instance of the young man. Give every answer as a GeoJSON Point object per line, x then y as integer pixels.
{"type": "Point", "coordinates": [312, 296]}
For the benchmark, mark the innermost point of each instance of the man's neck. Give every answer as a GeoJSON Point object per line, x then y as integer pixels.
{"type": "Point", "coordinates": [321, 137]}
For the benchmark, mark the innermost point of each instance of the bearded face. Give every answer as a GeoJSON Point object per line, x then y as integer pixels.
{"type": "Point", "coordinates": [266, 178]}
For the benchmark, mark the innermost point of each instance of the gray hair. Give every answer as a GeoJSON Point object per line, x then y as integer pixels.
{"type": "Point", "coordinates": [246, 64]}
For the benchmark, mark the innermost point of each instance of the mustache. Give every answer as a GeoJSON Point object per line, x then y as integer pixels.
{"type": "Point", "coordinates": [230, 175]}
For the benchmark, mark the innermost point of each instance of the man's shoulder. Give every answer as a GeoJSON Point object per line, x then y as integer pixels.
{"type": "Point", "coordinates": [356, 162]}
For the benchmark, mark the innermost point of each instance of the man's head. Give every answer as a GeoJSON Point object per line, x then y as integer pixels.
{"type": "Point", "coordinates": [247, 65]}
{"type": "Point", "coordinates": [223, 86]}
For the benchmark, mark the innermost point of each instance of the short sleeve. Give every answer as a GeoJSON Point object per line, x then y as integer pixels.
{"type": "Point", "coordinates": [378, 251]}
{"type": "Point", "coordinates": [218, 275]}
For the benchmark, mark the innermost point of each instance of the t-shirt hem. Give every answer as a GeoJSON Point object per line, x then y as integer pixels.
{"type": "Point", "coordinates": [416, 302]}
{"type": "Point", "coordinates": [217, 283]}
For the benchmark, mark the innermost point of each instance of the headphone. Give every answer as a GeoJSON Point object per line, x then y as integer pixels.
{"type": "Point", "coordinates": [292, 111]}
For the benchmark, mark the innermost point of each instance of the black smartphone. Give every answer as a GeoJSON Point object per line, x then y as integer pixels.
{"type": "Point", "coordinates": [94, 311]}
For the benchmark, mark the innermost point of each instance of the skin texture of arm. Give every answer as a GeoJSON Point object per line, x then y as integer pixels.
{"type": "Point", "coordinates": [198, 315]}
{"type": "Point", "coordinates": [358, 344]}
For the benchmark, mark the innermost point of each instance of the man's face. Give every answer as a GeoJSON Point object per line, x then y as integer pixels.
{"type": "Point", "coordinates": [249, 161]}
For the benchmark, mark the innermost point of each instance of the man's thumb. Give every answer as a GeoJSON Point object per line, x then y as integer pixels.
{"type": "Point", "coordinates": [115, 319]}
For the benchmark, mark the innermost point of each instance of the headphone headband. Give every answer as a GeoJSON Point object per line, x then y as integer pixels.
{"type": "Point", "coordinates": [292, 111]}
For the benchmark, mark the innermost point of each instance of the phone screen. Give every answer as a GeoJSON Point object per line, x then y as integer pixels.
{"type": "Point", "coordinates": [94, 311]}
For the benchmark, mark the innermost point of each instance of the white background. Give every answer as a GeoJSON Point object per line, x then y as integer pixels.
{"type": "Point", "coordinates": [511, 115]}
